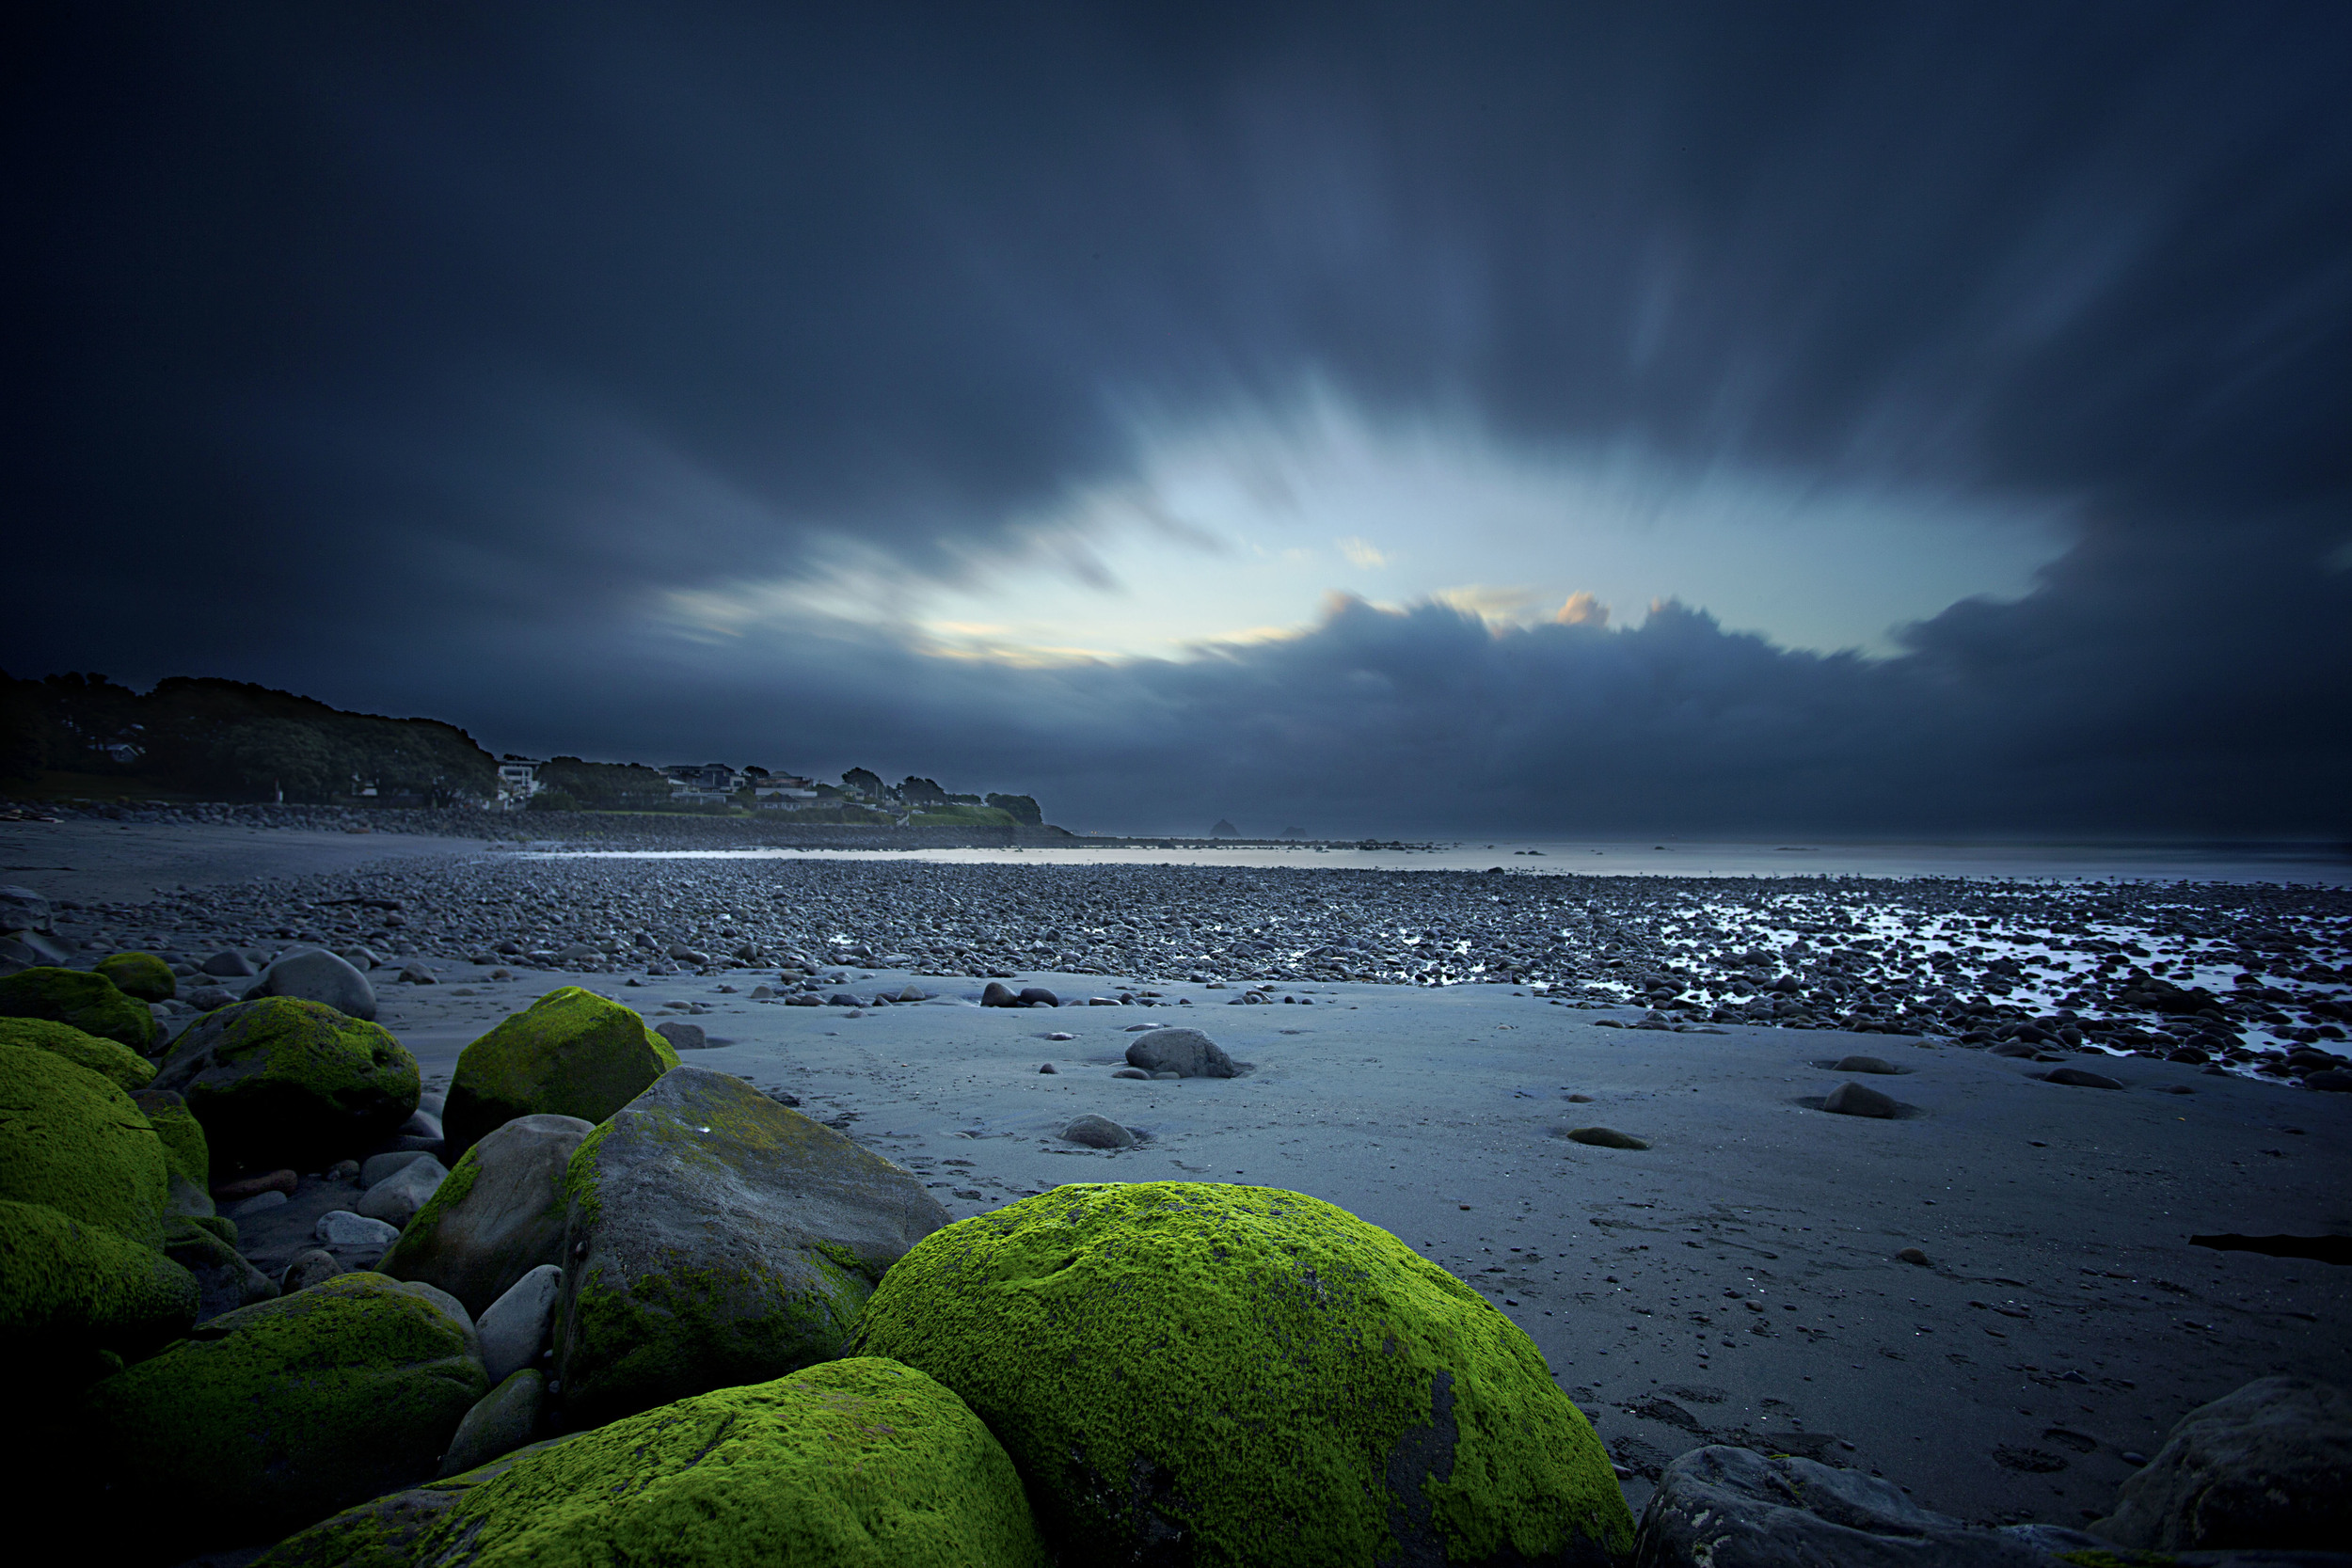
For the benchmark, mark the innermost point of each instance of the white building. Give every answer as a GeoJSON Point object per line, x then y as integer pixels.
{"type": "Point", "coordinates": [518, 780]}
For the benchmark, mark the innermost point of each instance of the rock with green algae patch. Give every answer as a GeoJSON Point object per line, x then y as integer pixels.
{"type": "Point", "coordinates": [108, 1058]}
{"type": "Point", "coordinates": [67, 1286]}
{"type": "Point", "coordinates": [858, 1464]}
{"type": "Point", "coordinates": [91, 1002]}
{"type": "Point", "coordinates": [570, 1053]}
{"type": "Point", "coordinates": [142, 975]}
{"type": "Point", "coordinates": [282, 1082]}
{"type": "Point", "coordinates": [182, 1135]}
{"type": "Point", "coordinates": [714, 1237]}
{"type": "Point", "coordinates": [277, 1415]}
{"type": "Point", "coordinates": [73, 1140]}
{"type": "Point", "coordinates": [494, 1217]}
{"type": "Point", "coordinates": [1240, 1374]}
{"type": "Point", "coordinates": [224, 1279]}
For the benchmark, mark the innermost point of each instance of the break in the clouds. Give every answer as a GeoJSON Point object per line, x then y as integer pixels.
{"type": "Point", "coordinates": [1381, 418]}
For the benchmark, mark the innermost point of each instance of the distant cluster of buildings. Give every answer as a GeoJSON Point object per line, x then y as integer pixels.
{"type": "Point", "coordinates": [691, 783]}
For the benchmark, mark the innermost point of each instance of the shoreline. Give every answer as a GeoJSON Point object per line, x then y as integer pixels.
{"type": "Point", "coordinates": [1737, 1280]}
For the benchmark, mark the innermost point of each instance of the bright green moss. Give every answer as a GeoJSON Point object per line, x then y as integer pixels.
{"type": "Point", "coordinates": [284, 1081]}
{"type": "Point", "coordinates": [579, 1177]}
{"type": "Point", "coordinates": [273, 1415]}
{"type": "Point", "coordinates": [1264, 1373]}
{"type": "Point", "coordinates": [91, 1002]}
{"type": "Point", "coordinates": [840, 1465]}
{"type": "Point", "coordinates": [64, 1284]}
{"type": "Point", "coordinates": [182, 1135]}
{"type": "Point", "coordinates": [73, 1140]}
{"type": "Point", "coordinates": [692, 1327]}
{"type": "Point", "coordinates": [110, 1058]}
{"type": "Point", "coordinates": [391, 1532]}
{"type": "Point", "coordinates": [139, 974]}
{"type": "Point", "coordinates": [571, 1053]}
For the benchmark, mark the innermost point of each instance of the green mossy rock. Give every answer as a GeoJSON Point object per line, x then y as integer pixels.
{"type": "Point", "coordinates": [73, 1140]}
{"type": "Point", "coordinates": [496, 1216]}
{"type": "Point", "coordinates": [108, 1058]}
{"type": "Point", "coordinates": [863, 1464]}
{"type": "Point", "coordinates": [284, 1083]}
{"type": "Point", "coordinates": [1239, 1374]}
{"type": "Point", "coordinates": [269, 1418]}
{"type": "Point", "coordinates": [391, 1532]}
{"type": "Point", "coordinates": [224, 1281]}
{"type": "Point", "coordinates": [139, 974]}
{"type": "Point", "coordinates": [91, 1002]}
{"type": "Point", "coordinates": [713, 1237]}
{"type": "Point", "coordinates": [570, 1053]}
{"type": "Point", "coordinates": [183, 1136]}
{"type": "Point", "coordinates": [69, 1286]}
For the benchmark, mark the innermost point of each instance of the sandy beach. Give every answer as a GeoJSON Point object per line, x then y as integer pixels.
{"type": "Point", "coordinates": [1735, 1281]}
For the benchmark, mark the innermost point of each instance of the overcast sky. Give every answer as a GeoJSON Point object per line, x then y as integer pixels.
{"type": "Point", "coordinates": [1551, 418]}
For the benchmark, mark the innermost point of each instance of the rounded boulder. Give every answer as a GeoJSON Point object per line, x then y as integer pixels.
{"type": "Point", "coordinates": [570, 1053]}
{"type": "Point", "coordinates": [315, 974]}
{"type": "Point", "coordinates": [106, 1057]}
{"type": "Point", "coordinates": [287, 1081]}
{"type": "Point", "coordinates": [855, 1464]}
{"type": "Point", "coordinates": [1254, 1374]}
{"type": "Point", "coordinates": [142, 975]}
{"type": "Point", "coordinates": [73, 1140]}
{"type": "Point", "coordinates": [1186, 1053]}
{"type": "Point", "coordinates": [498, 1215]}
{"type": "Point", "coordinates": [66, 1286]}
{"type": "Point", "coordinates": [91, 1002]}
{"type": "Point", "coordinates": [276, 1415]}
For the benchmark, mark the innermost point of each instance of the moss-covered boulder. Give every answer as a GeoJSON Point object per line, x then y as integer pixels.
{"type": "Point", "coordinates": [91, 1002]}
{"type": "Point", "coordinates": [224, 1279]}
{"type": "Point", "coordinates": [68, 1287]}
{"type": "Point", "coordinates": [713, 1237]}
{"type": "Point", "coordinates": [1248, 1375]}
{"type": "Point", "coordinates": [108, 1058]}
{"type": "Point", "coordinates": [269, 1418]}
{"type": "Point", "coordinates": [863, 1464]}
{"type": "Point", "coordinates": [284, 1083]}
{"type": "Point", "coordinates": [182, 1135]}
{"type": "Point", "coordinates": [142, 975]}
{"type": "Point", "coordinates": [570, 1053]}
{"type": "Point", "coordinates": [73, 1140]}
{"type": "Point", "coordinates": [494, 1218]}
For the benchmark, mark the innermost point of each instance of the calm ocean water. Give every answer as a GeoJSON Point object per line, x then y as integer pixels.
{"type": "Point", "coordinates": [2302, 864]}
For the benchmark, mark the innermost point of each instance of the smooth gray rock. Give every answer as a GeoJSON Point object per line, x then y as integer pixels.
{"type": "Point", "coordinates": [1187, 1052]}
{"type": "Point", "coordinates": [578, 955]}
{"type": "Point", "coordinates": [257, 1204]}
{"type": "Point", "coordinates": [2082, 1079]}
{"type": "Point", "coordinates": [1864, 1064]}
{"type": "Point", "coordinates": [683, 1037]}
{"type": "Point", "coordinates": [1098, 1133]}
{"type": "Point", "coordinates": [504, 1420]}
{"type": "Point", "coordinates": [315, 974]}
{"type": "Point", "coordinates": [422, 1123]}
{"type": "Point", "coordinates": [341, 1227]}
{"type": "Point", "coordinates": [2267, 1466]}
{"type": "Point", "coordinates": [509, 1219]}
{"type": "Point", "coordinates": [23, 909]}
{"type": "Point", "coordinates": [227, 965]}
{"type": "Point", "coordinates": [308, 1269]}
{"type": "Point", "coordinates": [515, 1329]}
{"type": "Point", "coordinates": [1720, 1506]}
{"type": "Point", "coordinates": [703, 1191]}
{"type": "Point", "coordinates": [396, 1198]}
{"type": "Point", "coordinates": [1852, 1100]}
{"type": "Point", "coordinates": [379, 1166]}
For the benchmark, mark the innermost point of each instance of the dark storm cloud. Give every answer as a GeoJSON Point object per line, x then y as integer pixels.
{"type": "Point", "coordinates": [405, 354]}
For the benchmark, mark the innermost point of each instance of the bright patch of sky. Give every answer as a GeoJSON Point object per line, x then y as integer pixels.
{"type": "Point", "coordinates": [1244, 529]}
